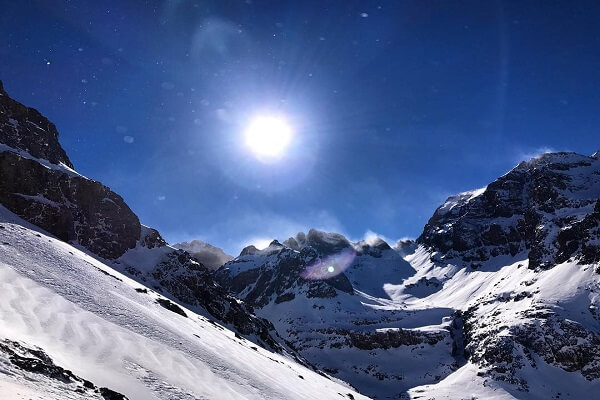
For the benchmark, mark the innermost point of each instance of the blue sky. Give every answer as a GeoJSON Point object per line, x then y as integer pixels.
{"type": "Point", "coordinates": [394, 104]}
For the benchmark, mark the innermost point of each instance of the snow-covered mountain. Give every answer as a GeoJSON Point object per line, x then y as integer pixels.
{"type": "Point", "coordinates": [500, 300]}
{"type": "Point", "coordinates": [497, 299]}
{"type": "Point", "coordinates": [327, 297]}
{"type": "Point", "coordinates": [38, 183]}
{"type": "Point", "coordinates": [520, 260]}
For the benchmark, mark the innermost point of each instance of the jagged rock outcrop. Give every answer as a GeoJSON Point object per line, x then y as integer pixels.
{"type": "Point", "coordinates": [24, 128]}
{"type": "Point", "coordinates": [547, 207]}
{"type": "Point", "coordinates": [34, 362]}
{"type": "Point", "coordinates": [37, 184]}
{"type": "Point", "coordinates": [277, 272]}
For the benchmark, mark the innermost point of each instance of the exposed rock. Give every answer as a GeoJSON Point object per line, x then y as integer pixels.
{"type": "Point", "coordinates": [36, 362]}
{"type": "Point", "coordinates": [169, 305]}
{"type": "Point", "coordinates": [392, 338]}
{"type": "Point", "coordinates": [280, 274]}
{"type": "Point", "coordinates": [535, 203]}
{"type": "Point", "coordinates": [71, 207]}
{"type": "Point", "coordinates": [25, 128]}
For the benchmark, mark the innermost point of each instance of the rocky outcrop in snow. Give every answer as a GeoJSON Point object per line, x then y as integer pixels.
{"type": "Point", "coordinates": [22, 127]}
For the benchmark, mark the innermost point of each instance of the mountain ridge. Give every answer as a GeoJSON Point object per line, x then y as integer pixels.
{"type": "Point", "coordinates": [498, 295]}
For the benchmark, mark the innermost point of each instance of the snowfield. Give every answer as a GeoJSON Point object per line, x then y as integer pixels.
{"type": "Point", "coordinates": [91, 320]}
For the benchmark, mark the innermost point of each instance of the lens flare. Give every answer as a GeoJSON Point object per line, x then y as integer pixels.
{"type": "Point", "coordinates": [329, 266]}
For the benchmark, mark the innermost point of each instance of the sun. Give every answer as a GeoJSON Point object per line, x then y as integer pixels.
{"type": "Point", "coordinates": [268, 137]}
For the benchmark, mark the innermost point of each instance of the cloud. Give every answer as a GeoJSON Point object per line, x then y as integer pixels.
{"type": "Point", "coordinates": [214, 36]}
{"type": "Point", "coordinates": [370, 237]}
{"type": "Point", "coordinates": [259, 229]}
{"type": "Point", "coordinates": [533, 153]}
{"type": "Point", "coordinates": [222, 115]}
{"type": "Point", "coordinates": [128, 139]}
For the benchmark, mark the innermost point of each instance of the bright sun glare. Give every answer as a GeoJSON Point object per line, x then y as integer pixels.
{"type": "Point", "coordinates": [268, 137]}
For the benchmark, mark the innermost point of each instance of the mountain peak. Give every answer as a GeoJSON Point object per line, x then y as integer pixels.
{"type": "Point", "coordinates": [24, 128]}
{"type": "Point", "coordinates": [520, 212]}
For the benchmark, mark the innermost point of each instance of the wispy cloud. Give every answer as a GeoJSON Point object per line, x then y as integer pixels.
{"type": "Point", "coordinates": [526, 155]}
{"type": "Point", "coordinates": [259, 229]}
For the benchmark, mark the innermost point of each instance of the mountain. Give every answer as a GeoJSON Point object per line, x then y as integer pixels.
{"type": "Point", "coordinates": [327, 297]}
{"type": "Point", "coordinates": [500, 299]}
{"type": "Point", "coordinates": [39, 184]}
{"type": "Point", "coordinates": [97, 305]}
{"type": "Point", "coordinates": [519, 261]}
{"type": "Point", "coordinates": [209, 255]}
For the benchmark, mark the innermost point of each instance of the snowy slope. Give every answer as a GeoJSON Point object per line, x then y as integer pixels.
{"type": "Point", "coordinates": [91, 320]}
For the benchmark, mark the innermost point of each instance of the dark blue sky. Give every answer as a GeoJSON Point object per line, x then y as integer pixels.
{"type": "Point", "coordinates": [394, 104]}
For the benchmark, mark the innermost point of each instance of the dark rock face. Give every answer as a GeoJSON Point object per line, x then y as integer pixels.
{"type": "Point", "coordinates": [392, 338]}
{"type": "Point", "coordinates": [537, 203]}
{"type": "Point", "coordinates": [25, 128]}
{"type": "Point", "coordinates": [279, 276]}
{"type": "Point", "coordinates": [153, 239]}
{"type": "Point", "coordinates": [169, 305]}
{"type": "Point", "coordinates": [71, 207]}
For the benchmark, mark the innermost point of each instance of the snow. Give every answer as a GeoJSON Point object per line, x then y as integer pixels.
{"type": "Point", "coordinates": [57, 167]}
{"type": "Point", "coordinates": [56, 297]}
{"type": "Point", "coordinates": [39, 199]}
{"type": "Point", "coordinates": [142, 258]}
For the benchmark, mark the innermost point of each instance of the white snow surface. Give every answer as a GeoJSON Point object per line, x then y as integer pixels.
{"type": "Point", "coordinates": [57, 167]}
{"type": "Point", "coordinates": [90, 319]}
